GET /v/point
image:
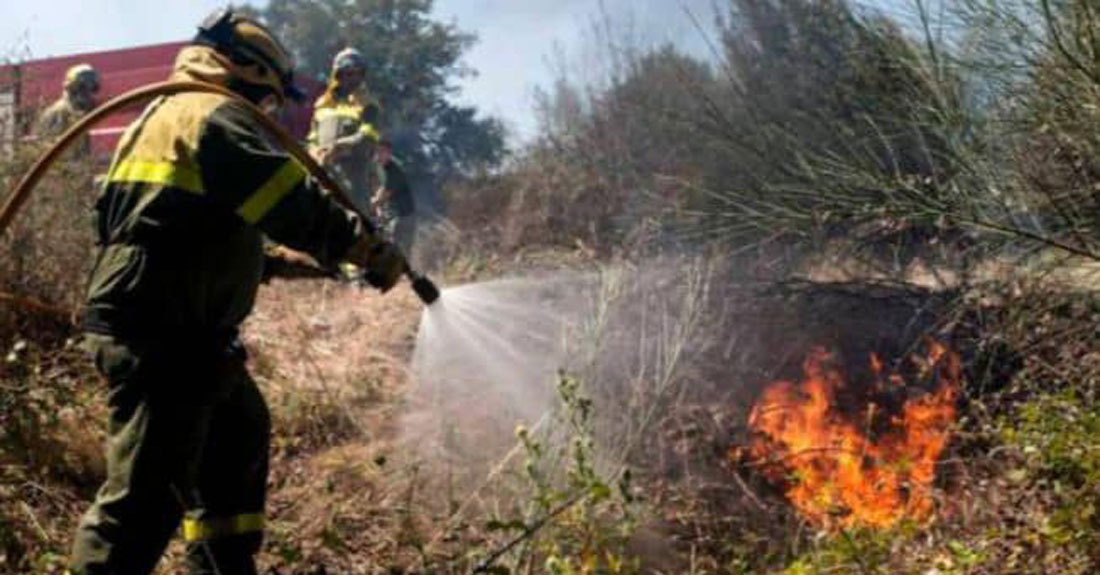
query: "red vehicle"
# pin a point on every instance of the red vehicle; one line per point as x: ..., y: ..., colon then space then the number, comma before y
x: 28, y: 87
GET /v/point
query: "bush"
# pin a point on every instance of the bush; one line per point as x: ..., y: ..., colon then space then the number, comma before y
x: 46, y: 254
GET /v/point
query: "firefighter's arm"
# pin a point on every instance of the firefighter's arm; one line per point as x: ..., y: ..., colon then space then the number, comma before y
x: 366, y: 135
x: 384, y: 192
x: 266, y: 188
x: 379, y: 199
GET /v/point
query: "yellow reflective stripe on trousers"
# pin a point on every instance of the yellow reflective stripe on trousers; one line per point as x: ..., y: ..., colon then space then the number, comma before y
x: 218, y: 527
x: 282, y: 183
x: 168, y: 174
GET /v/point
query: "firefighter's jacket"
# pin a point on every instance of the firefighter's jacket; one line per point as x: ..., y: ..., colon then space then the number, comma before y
x: 57, y: 118
x: 342, y: 122
x: 193, y: 188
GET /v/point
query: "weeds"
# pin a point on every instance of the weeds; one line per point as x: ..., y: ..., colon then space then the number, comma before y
x: 47, y: 253
x: 578, y: 524
x: 1061, y: 455
x: 49, y: 460
x: 819, y: 139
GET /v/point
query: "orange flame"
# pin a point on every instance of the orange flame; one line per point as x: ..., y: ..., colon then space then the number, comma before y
x: 842, y: 473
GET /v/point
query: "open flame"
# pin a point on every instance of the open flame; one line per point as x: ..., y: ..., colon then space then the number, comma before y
x: 868, y: 467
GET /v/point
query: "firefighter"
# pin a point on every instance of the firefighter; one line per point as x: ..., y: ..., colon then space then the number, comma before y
x: 193, y: 188
x: 78, y: 97
x: 394, y: 201
x: 343, y: 134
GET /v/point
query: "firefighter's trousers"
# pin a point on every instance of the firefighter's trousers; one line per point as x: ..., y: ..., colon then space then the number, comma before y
x: 187, y: 446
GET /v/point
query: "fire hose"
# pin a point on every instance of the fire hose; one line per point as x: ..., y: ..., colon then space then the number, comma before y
x: 425, y: 289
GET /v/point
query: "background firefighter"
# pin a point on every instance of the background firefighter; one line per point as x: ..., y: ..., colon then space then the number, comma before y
x: 79, y: 90
x: 193, y: 188
x: 342, y: 134
x: 394, y: 202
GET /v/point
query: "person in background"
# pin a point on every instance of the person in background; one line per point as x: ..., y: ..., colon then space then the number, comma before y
x: 342, y: 134
x: 394, y: 202
x: 78, y: 97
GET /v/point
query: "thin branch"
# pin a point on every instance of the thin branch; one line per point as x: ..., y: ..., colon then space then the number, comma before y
x: 528, y: 532
x: 1059, y: 43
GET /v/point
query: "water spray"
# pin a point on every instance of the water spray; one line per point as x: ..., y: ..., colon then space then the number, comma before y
x: 425, y: 289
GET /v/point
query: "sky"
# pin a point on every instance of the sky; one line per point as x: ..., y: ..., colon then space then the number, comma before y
x: 520, y: 42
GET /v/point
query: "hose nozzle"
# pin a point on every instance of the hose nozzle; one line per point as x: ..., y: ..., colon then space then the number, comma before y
x: 425, y: 288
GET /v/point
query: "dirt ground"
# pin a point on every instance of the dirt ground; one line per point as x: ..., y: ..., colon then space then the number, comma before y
x: 333, y: 361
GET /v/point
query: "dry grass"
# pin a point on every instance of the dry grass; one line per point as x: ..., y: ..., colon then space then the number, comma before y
x: 50, y: 463
x: 46, y: 254
x: 775, y: 163
x: 49, y: 398
x: 333, y: 362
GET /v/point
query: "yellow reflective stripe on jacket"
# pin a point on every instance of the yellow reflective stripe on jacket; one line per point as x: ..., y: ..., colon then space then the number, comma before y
x: 282, y: 183
x: 217, y: 527
x: 171, y: 174
x: 342, y: 111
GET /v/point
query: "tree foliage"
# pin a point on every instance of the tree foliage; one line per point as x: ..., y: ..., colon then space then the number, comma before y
x: 412, y: 63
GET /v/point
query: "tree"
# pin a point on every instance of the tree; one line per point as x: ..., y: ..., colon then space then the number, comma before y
x: 412, y: 61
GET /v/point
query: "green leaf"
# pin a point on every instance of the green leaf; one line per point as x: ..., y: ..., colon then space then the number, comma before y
x: 599, y: 491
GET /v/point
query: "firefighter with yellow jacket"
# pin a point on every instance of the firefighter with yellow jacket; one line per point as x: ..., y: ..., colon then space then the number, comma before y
x: 343, y: 134
x: 192, y: 190
x: 79, y: 90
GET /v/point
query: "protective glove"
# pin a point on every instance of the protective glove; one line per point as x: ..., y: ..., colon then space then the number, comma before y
x: 382, y: 262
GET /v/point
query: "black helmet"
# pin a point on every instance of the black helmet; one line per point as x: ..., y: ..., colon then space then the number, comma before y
x: 243, y: 38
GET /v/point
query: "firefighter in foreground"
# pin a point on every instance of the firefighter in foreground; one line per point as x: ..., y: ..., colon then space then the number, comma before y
x: 193, y: 188
x: 343, y: 135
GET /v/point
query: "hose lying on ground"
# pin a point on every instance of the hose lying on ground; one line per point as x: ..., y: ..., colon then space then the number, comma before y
x: 424, y: 288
